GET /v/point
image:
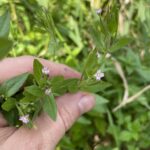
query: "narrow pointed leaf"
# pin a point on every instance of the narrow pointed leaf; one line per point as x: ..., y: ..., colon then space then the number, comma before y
x: 37, y: 70
x: 5, y: 24
x: 9, y: 104
x: 50, y: 106
x: 10, y: 87
x: 120, y: 44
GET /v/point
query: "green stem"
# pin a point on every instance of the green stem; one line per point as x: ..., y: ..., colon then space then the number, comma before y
x: 14, y: 15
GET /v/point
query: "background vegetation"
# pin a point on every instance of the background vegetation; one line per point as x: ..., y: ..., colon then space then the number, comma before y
x: 127, y: 75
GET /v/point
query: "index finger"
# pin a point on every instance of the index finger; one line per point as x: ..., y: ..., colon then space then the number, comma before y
x: 11, y: 67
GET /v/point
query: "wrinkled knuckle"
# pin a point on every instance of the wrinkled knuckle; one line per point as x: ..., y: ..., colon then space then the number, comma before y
x: 67, y: 116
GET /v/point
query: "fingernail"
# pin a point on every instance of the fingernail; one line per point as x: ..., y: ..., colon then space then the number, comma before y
x: 86, y: 103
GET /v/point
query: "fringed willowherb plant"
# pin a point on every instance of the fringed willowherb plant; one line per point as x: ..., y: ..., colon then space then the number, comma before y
x: 22, y: 98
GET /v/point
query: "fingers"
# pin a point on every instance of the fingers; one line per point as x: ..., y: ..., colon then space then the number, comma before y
x: 70, y: 108
x: 5, y: 133
x: 11, y: 67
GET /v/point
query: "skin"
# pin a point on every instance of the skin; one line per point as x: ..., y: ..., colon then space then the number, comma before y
x: 48, y: 133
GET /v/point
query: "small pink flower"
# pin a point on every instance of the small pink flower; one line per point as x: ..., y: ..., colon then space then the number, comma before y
x: 98, y: 55
x: 99, y: 11
x: 24, y: 119
x: 108, y: 55
x: 98, y: 75
x: 45, y: 71
x: 48, y: 91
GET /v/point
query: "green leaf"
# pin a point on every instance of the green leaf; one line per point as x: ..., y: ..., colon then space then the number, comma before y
x: 9, y: 104
x: 53, y: 46
x: 57, y: 80
x: 91, y: 63
x: 34, y: 90
x: 100, y: 106
x: 11, y: 117
x: 5, y: 24
x: 73, y: 85
x: 58, y: 85
x: 45, y: 21
x: 50, y: 106
x: 28, y: 98
x: 38, y: 107
x: 12, y: 86
x: 101, y: 125
x: 113, y: 129
x: 84, y: 121
x: 61, y: 85
x: 126, y: 135
x: 37, y: 70
x: 120, y: 44
x: 100, y: 100
x: 98, y: 38
x: 43, y: 3
x: 112, y: 20
x: 96, y: 87
x: 144, y: 72
x: 5, y: 46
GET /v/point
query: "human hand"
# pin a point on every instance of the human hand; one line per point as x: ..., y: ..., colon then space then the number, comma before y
x: 48, y: 132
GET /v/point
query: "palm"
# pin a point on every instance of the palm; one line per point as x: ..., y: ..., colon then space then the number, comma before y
x: 41, y: 138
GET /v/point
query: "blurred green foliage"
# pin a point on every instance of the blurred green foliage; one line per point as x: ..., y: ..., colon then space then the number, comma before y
x: 76, y: 32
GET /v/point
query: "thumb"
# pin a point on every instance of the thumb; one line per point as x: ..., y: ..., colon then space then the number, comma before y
x: 70, y: 108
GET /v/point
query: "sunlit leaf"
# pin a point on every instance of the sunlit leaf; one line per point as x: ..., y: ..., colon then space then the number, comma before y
x: 11, y: 86
x: 4, y: 24
x: 50, y: 106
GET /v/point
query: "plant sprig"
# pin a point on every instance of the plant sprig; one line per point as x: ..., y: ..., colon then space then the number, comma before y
x: 27, y: 95
x: 24, y: 97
